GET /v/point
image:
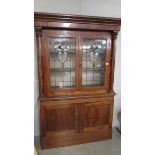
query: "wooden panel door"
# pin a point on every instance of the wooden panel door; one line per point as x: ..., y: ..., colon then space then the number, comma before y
x: 58, y: 118
x: 95, y: 116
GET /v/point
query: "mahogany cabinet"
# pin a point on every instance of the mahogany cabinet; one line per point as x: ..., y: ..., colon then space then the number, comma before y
x: 76, y: 58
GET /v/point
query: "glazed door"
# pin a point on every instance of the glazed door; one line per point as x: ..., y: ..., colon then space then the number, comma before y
x: 76, y: 62
x: 95, y: 52
x: 61, y: 54
x: 59, y: 118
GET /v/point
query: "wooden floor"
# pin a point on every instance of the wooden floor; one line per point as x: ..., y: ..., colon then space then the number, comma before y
x: 107, y: 147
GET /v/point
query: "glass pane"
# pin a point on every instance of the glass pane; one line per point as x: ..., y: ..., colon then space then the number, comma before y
x: 62, y: 62
x: 93, y: 61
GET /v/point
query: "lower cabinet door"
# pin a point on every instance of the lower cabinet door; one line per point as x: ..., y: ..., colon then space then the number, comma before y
x: 58, y: 119
x: 95, y: 116
x: 69, y: 122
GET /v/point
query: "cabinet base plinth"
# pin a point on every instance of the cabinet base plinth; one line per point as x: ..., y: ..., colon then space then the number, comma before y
x: 79, y: 138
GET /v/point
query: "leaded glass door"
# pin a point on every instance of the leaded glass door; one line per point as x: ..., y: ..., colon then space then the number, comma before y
x: 76, y: 62
x: 95, y: 59
x: 61, y: 49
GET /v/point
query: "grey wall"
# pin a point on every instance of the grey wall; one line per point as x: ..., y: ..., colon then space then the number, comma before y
x: 83, y: 7
x: 110, y: 8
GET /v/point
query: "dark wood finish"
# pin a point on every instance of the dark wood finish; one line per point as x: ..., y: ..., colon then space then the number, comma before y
x: 95, y: 116
x: 57, y: 141
x: 77, y: 22
x: 75, y: 115
x: 60, y: 117
x: 40, y: 59
x: 114, y: 37
x: 70, y: 121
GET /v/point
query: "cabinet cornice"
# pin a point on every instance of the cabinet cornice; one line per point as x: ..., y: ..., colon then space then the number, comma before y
x: 48, y: 20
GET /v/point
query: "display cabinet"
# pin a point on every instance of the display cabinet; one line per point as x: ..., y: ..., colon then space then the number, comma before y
x: 76, y: 58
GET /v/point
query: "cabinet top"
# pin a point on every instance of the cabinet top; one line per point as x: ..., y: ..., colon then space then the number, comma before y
x: 42, y: 19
